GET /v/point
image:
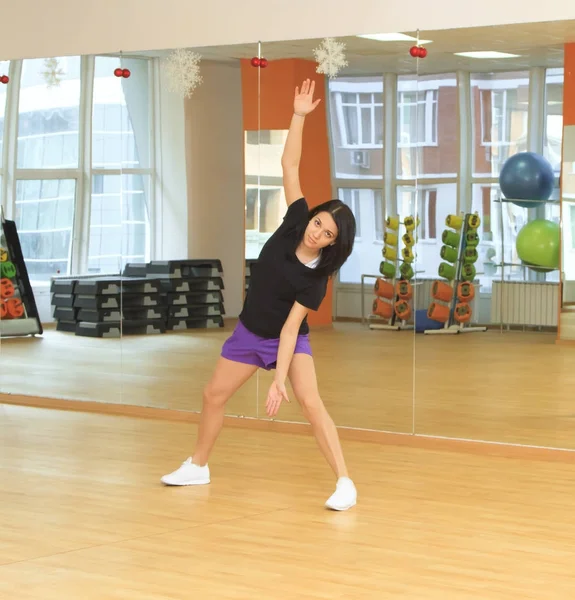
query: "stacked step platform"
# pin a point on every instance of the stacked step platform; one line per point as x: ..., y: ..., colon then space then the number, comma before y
x: 148, y: 298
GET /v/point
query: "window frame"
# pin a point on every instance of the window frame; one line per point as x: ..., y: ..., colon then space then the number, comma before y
x: 84, y: 172
x: 464, y: 178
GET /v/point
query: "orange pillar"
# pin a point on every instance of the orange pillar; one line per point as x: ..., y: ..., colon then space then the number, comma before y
x: 569, y: 85
x: 276, y: 86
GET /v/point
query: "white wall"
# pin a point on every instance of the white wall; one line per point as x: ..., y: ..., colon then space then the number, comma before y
x: 70, y: 27
x: 215, y: 169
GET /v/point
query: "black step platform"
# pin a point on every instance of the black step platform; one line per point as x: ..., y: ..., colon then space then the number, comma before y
x: 146, y: 298
x: 143, y: 327
x: 193, y: 323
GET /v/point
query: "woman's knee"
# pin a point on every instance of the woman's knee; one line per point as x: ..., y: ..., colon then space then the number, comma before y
x: 312, y: 406
x: 214, y: 395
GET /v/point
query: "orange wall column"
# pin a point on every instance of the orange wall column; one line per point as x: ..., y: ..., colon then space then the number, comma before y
x: 276, y: 86
x: 569, y: 85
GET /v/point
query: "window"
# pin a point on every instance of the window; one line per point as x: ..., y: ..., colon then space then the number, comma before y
x: 553, y: 117
x: 121, y: 158
x: 500, y: 105
x: 49, y: 115
x: 357, y: 129
x: 366, y: 205
x: 57, y: 190
x: 265, y: 197
x: 44, y: 218
x: 417, y: 124
x: 418, y: 115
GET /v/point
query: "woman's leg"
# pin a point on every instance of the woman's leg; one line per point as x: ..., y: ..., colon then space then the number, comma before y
x: 303, y: 379
x: 304, y: 383
x: 227, y: 379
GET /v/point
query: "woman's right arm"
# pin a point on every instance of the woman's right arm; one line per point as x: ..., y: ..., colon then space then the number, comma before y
x: 303, y: 105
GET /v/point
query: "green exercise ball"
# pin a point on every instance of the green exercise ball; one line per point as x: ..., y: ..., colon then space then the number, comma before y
x: 538, y: 245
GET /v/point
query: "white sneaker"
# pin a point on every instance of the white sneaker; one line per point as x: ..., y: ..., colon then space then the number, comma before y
x: 188, y: 474
x: 345, y: 495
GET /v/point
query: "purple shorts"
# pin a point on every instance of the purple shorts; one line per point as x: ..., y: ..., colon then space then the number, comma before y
x: 246, y: 347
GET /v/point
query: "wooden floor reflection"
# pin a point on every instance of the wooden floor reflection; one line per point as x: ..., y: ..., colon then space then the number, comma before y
x: 513, y: 387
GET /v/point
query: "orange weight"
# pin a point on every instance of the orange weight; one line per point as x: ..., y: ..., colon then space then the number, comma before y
x: 465, y: 291
x: 15, y: 308
x: 402, y: 310
x: 441, y: 291
x: 404, y: 289
x: 462, y: 312
x: 383, y: 289
x: 382, y: 309
x: 6, y: 288
x: 438, y: 312
x: 3, y: 309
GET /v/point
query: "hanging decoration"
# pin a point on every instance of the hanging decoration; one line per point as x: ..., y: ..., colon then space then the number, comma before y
x: 119, y: 72
x: 260, y: 62
x: 4, y: 79
x: 330, y: 57
x: 418, y: 51
x: 52, y: 72
x: 183, y: 69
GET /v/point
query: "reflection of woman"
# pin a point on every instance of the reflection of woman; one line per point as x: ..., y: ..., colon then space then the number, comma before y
x: 289, y: 279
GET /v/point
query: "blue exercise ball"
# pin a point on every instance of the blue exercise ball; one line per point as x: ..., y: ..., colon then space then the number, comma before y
x: 527, y: 176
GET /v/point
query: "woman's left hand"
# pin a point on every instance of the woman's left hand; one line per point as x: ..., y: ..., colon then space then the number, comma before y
x: 276, y: 394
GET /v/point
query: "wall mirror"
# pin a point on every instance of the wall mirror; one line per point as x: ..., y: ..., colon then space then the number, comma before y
x: 488, y: 368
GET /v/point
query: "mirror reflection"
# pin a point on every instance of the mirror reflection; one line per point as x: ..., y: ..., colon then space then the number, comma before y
x: 55, y: 148
x: 496, y: 106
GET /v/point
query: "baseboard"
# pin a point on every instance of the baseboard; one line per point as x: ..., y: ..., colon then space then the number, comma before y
x: 416, y: 441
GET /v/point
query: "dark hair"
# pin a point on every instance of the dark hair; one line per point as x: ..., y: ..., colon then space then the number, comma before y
x: 333, y: 257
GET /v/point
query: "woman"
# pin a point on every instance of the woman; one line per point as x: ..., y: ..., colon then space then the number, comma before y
x: 289, y: 279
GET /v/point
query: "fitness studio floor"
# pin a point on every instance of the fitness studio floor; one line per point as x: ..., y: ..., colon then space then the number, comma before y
x: 513, y: 387
x: 83, y: 515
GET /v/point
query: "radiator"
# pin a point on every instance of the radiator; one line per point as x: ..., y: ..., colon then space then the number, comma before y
x: 525, y: 303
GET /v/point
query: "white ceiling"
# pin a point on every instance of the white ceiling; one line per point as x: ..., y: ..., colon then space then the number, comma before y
x: 539, y: 44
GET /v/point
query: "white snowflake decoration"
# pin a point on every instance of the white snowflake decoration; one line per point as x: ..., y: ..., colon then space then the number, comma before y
x: 52, y: 73
x: 330, y: 57
x: 183, y: 67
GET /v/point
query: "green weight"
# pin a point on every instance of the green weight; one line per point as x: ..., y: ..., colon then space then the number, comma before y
x: 408, y: 240
x: 406, y: 271
x: 451, y: 238
x: 448, y: 253
x: 470, y: 255
x: 472, y: 238
x: 8, y: 269
x: 447, y: 271
x: 387, y: 269
x: 468, y: 273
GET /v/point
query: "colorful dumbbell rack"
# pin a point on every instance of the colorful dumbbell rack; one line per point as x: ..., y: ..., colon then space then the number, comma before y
x: 453, y: 294
x: 18, y: 311
x: 393, y: 303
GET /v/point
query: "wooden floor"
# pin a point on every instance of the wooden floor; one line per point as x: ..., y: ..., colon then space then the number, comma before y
x: 513, y: 387
x: 84, y: 516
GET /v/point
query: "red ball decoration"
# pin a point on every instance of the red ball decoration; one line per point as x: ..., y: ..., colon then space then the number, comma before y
x: 118, y: 72
x: 255, y: 61
x: 263, y: 63
x: 126, y: 73
x: 422, y: 52
x: 4, y: 79
x: 414, y: 51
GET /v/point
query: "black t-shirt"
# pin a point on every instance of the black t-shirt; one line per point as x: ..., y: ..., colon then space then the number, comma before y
x: 278, y: 279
